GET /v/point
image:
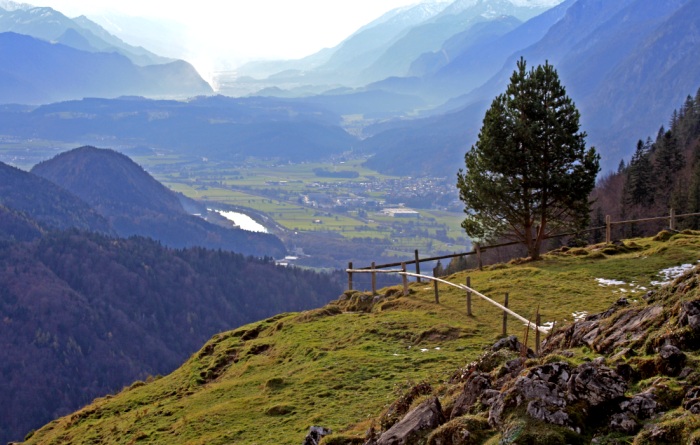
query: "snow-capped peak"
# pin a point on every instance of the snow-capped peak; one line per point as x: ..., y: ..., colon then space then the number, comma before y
x: 9, y: 5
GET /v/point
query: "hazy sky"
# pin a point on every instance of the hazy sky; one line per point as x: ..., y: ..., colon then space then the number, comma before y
x: 213, y: 33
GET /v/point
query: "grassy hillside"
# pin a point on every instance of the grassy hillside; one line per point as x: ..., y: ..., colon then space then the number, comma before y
x: 339, y: 366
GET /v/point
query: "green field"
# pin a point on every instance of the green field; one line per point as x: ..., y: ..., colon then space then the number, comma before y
x: 277, y: 190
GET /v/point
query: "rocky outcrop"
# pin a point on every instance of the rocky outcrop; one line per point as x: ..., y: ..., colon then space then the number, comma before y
x: 316, y: 433
x: 564, y: 397
x: 552, y: 392
x: 417, y: 424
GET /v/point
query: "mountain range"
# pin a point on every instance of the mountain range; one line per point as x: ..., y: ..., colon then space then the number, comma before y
x: 49, y: 57
x: 625, y: 64
x: 418, y: 80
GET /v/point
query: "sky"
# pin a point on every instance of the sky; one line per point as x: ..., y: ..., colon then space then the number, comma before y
x: 221, y: 34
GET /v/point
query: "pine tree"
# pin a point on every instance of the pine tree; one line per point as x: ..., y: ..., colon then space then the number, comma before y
x: 529, y: 174
x: 668, y: 162
x: 639, y: 189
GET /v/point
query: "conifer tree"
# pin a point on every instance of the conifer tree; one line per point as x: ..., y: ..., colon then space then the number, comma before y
x: 639, y: 188
x: 529, y: 174
x: 668, y: 162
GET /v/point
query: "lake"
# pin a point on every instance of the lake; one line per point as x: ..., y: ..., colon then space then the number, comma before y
x: 243, y: 221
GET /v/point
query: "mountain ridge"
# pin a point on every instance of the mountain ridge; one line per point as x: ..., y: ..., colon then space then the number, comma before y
x: 136, y: 204
x: 54, y: 72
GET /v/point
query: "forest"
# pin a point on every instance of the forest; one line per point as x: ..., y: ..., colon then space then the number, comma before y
x: 663, y: 173
x: 85, y: 314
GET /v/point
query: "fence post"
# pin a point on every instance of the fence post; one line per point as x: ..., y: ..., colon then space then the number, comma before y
x: 417, y: 265
x: 505, y: 317
x: 672, y: 220
x: 404, y: 278
x: 469, y: 297
x: 608, y: 231
x: 435, y: 284
x: 374, y: 280
x: 350, y: 276
x: 538, y: 322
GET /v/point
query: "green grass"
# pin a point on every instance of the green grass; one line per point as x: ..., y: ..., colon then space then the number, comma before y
x: 268, y: 382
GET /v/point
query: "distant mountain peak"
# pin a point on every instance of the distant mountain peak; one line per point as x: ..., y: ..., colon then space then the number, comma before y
x: 8, y: 5
x: 459, y: 6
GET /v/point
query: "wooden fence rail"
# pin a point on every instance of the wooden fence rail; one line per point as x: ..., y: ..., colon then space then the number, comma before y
x: 536, y: 326
x: 480, y: 249
x: 382, y: 268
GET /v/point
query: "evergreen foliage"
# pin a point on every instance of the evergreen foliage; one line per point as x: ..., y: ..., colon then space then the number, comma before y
x: 661, y: 175
x: 85, y: 314
x: 529, y: 174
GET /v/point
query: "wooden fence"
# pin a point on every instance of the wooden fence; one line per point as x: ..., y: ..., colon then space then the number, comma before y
x: 374, y: 269
x: 478, y: 250
x: 536, y: 325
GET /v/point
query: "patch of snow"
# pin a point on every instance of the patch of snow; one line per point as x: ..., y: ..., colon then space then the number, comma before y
x: 423, y: 350
x: 605, y: 282
x: 547, y: 325
x: 671, y: 273
x: 579, y: 315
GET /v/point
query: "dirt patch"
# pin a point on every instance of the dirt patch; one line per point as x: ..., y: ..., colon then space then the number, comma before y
x: 438, y: 334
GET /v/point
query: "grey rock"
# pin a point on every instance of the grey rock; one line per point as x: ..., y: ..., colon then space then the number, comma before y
x: 691, y: 401
x: 316, y: 433
x: 690, y: 315
x: 671, y: 360
x: 511, y: 343
x: 424, y: 418
x: 545, y: 384
x: 596, y: 384
x: 539, y: 409
x: 642, y: 405
x: 623, y: 423
x: 476, y: 384
x: 489, y: 396
x: 548, y: 390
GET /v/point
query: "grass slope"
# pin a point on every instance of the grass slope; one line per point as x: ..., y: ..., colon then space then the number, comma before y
x: 340, y: 365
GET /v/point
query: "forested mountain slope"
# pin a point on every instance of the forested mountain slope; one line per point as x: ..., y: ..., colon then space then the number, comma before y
x: 84, y: 314
x: 49, y: 205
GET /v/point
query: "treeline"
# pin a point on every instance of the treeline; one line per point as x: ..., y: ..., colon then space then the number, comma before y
x: 85, y: 314
x: 325, y: 173
x: 663, y: 173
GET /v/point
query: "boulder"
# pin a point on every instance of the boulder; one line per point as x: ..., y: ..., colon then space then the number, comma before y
x: 690, y: 315
x: 316, y: 433
x: 543, y: 388
x: 671, y: 360
x: 691, y: 401
x: 549, y: 391
x: 512, y: 344
x: 595, y: 384
x: 465, y: 430
x: 417, y: 424
x: 624, y: 423
x: 476, y: 384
